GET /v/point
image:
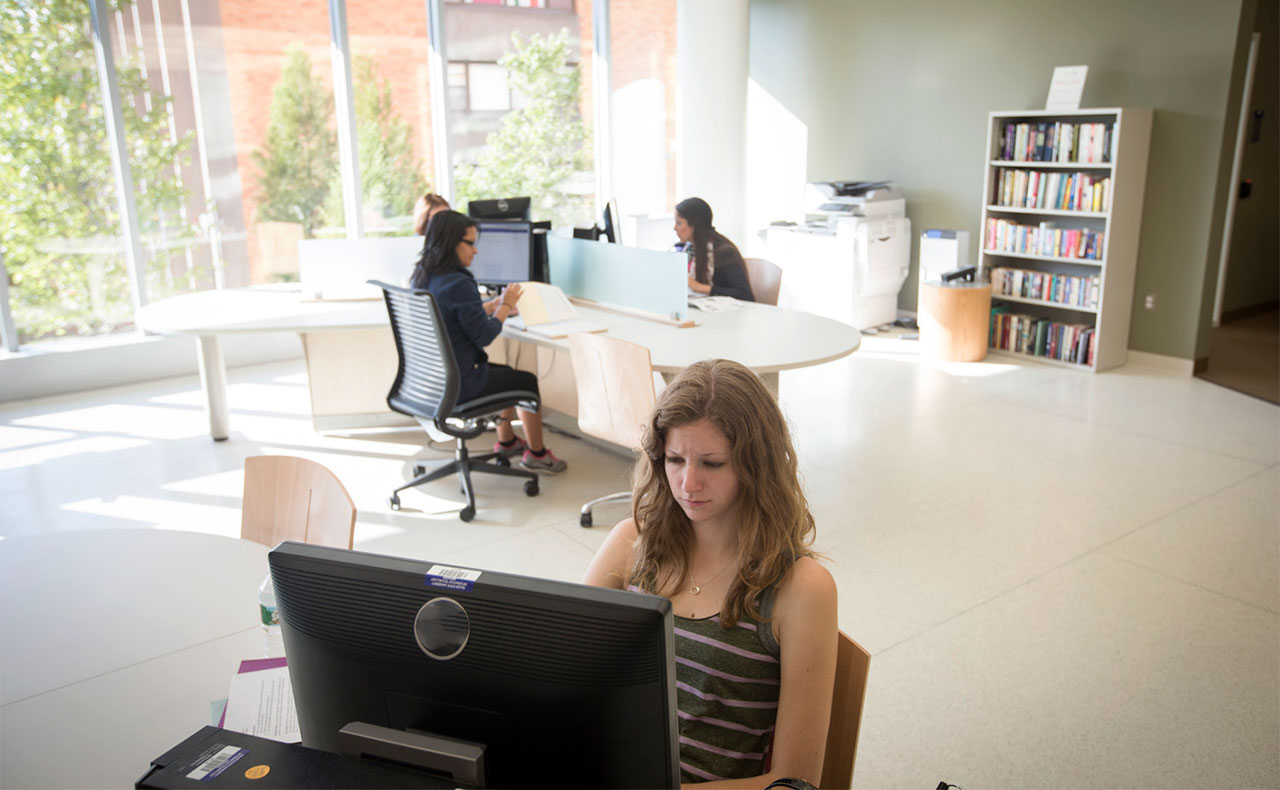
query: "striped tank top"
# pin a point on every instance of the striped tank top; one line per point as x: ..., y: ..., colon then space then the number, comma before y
x: 727, y: 684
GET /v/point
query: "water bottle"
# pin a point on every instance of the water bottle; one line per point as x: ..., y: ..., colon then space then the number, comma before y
x: 272, y: 641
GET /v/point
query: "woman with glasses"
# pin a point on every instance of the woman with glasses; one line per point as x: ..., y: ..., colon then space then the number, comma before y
x: 443, y: 269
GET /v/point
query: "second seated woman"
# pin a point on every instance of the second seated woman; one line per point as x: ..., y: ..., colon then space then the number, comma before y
x: 716, y: 266
x: 720, y: 526
x: 447, y: 252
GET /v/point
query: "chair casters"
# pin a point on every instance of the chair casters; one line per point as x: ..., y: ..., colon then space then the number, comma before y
x: 394, y: 501
x: 585, y: 518
x: 531, y: 488
x: 467, y: 513
x: 418, y: 469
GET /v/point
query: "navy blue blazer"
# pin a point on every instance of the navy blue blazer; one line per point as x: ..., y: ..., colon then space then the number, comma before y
x: 470, y: 328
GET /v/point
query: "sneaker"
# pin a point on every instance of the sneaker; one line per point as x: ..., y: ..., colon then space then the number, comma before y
x: 516, y: 447
x: 548, y: 463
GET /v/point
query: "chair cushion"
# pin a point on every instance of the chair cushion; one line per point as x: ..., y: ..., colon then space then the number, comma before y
x: 494, y: 403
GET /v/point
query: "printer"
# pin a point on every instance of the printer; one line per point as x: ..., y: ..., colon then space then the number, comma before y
x: 828, y: 201
x: 850, y: 257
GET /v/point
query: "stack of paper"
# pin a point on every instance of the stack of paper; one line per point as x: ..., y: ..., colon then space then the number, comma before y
x: 261, y: 702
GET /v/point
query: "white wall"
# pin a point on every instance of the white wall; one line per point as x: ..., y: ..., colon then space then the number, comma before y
x: 109, y: 362
x: 711, y: 78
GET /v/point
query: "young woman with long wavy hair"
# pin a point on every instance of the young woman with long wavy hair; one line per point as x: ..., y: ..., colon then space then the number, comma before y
x: 721, y: 527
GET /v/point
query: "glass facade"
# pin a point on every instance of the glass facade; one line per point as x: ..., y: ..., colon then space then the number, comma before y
x: 230, y: 133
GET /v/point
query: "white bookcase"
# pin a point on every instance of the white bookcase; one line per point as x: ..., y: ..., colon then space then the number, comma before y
x: 1114, y: 259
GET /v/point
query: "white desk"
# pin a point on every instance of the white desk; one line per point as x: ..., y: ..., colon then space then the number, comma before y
x: 112, y: 645
x: 764, y: 338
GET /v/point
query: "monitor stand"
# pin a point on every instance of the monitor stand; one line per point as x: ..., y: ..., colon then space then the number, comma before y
x: 462, y: 761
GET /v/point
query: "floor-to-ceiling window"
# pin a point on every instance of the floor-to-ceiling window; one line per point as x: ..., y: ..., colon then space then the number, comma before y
x: 230, y: 135
x: 520, y: 104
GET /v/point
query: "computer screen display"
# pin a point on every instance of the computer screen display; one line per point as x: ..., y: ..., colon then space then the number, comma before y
x: 563, y: 685
x: 503, y: 253
x: 499, y: 208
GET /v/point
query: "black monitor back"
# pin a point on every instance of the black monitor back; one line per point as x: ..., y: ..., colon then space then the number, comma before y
x: 566, y: 685
x: 499, y: 208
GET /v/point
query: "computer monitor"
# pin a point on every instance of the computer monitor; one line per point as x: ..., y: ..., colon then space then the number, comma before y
x: 563, y: 685
x: 500, y: 208
x: 612, y: 223
x: 504, y: 253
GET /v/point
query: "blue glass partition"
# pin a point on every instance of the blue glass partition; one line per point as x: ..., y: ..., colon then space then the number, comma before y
x: 657, y: 282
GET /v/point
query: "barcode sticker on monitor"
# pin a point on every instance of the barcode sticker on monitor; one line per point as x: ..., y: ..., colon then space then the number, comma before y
x: 448, y: 578
x: 212, y: 765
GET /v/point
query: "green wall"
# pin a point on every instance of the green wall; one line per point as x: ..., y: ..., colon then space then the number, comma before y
x: 902, y: 89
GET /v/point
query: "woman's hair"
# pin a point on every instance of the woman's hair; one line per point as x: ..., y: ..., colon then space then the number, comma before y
x: 440, y: 247
x: 697, y: 213
x: 774, y: 523
x: 422, y: 211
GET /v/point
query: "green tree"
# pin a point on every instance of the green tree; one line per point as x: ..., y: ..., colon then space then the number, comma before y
x: 539, y: 147
x: 391, y: 176
x: 59, y: 215
x: 299, y: 157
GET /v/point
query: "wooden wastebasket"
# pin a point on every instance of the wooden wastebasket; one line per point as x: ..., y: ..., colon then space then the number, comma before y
x: 954, y: 321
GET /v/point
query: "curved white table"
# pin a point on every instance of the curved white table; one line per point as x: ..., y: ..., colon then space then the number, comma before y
x: 112, y: 645
x: 766, y: 339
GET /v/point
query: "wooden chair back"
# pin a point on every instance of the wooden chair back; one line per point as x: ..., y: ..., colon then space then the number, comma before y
x: 288, y: 498
x: 766, y: 280
x: 615, y: 387
x: 852, y: 664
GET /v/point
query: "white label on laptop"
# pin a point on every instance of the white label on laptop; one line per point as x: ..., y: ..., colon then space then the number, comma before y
x: 448, y: 578
x: 212, y: 765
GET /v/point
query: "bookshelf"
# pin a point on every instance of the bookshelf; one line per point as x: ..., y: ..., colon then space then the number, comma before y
x: 1062, y: 210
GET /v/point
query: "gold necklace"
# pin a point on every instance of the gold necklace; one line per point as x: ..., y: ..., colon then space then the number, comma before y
x: 697, y: 588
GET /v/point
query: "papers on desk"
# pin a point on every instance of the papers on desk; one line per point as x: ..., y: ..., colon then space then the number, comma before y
x: 545, y: 310
x: 261, y: 702
x: 716, y: 304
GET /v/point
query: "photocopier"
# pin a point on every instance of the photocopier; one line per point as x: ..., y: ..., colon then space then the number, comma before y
x: 851, y: 255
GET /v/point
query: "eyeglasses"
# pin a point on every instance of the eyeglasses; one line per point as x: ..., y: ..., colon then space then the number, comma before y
x: 468, y: 241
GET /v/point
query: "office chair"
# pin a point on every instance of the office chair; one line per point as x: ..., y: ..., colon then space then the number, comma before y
x: 288, y: 498
x: 765, y: 278
x: 426, y: 388
x: 615, y: 396
x: 852, y: 664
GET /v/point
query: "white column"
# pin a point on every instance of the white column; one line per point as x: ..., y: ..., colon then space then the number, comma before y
x: 345, y: 115
x: 438, y: 62
x: 711, y: 87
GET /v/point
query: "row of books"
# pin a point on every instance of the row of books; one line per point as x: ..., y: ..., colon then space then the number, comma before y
x: 1041, y: 337
x: 1057, y: 141
x: 1052, y: 190
x: 1064, y: 289
x: 1043, y: 239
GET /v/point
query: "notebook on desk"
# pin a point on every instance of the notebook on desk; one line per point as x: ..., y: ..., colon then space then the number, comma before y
x: 545, y: 310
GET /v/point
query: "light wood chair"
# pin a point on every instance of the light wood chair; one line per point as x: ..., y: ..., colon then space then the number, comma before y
x: 615, y: 396
x: 852, y: 664
x: 765, y: 278
x: 287, y: 498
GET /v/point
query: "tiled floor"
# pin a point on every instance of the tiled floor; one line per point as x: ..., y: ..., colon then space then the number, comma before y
x: 1065, y: 580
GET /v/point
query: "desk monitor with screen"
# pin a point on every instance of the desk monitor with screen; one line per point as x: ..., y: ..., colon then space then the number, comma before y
x: 544, y: 683
x: 501, y: 208
x: 504, y: 253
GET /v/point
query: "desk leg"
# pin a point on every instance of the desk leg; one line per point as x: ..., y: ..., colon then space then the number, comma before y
x: 213, y: 376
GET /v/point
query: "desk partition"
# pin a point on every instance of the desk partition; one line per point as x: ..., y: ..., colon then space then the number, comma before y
x: 656, y: 282
x: 337, y: 269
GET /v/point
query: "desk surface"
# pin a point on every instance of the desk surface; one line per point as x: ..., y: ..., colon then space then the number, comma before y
x: 766, y: 339
x: 112, y: 645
